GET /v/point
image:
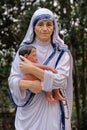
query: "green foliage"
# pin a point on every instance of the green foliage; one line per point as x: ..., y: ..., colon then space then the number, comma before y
x: 83, y: 120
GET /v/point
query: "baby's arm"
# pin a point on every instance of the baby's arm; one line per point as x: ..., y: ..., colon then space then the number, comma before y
x: 45, y: 67
x: 32, y: 77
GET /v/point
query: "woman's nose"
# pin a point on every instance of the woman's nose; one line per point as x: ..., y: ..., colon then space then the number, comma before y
x: 44, y: 27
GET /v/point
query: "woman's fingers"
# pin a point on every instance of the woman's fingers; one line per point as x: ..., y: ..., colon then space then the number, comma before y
x: 23, y: 58
x: 25, y: 65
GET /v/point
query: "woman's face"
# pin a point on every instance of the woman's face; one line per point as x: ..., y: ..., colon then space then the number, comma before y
x: 43, y: 30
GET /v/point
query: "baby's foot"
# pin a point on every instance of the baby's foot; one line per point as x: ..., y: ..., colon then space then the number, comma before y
x: 57, y: 95
x: 49, y: 97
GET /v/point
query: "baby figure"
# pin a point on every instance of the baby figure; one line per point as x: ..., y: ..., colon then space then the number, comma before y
x: 29, y: 52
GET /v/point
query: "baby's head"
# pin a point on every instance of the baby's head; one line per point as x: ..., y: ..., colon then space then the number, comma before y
x: 28, y: 52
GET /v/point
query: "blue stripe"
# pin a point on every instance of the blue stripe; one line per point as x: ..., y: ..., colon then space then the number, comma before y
x: 42, y: 17
x: 51, y: 56
x: 62, y: 115
x: 26, y: 103
x: 61, y: 53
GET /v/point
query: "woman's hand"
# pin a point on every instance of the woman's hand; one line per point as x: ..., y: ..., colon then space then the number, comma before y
x: 34, y: 86
x: 25, y: 65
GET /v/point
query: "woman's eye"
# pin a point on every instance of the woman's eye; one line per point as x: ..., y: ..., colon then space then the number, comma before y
x: 40, y: 24
x: 49, y: 24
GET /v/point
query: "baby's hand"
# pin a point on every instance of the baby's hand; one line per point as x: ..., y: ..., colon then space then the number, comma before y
x: 54, y: 70
x: 51, y: 69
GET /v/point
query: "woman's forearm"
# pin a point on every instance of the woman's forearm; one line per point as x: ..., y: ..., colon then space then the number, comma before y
x: 37, y: 72
x: 34, y: 86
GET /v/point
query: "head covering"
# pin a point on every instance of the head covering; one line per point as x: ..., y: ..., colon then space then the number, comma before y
x: 42, y: 14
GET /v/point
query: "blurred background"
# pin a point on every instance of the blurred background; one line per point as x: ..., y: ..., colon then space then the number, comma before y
x: 72, y: 21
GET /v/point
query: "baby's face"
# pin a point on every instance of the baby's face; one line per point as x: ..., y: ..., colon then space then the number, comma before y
x: 32, y: 56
